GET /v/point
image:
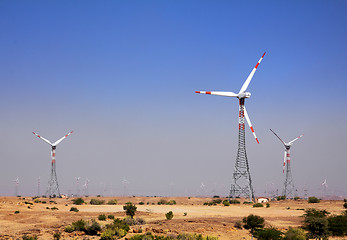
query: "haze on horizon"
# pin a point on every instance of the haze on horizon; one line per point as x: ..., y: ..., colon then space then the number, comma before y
x: 122, y: 75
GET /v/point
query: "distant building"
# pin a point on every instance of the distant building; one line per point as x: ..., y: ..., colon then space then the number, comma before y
x: 262, y: 200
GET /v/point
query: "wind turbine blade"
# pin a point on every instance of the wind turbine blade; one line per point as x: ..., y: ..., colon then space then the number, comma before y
x: 291, y: 142
x: 57, y: 142
x: 278, y: 137
x: 250, y: 124
x: 225, y: 94
x: 44, y: 139
x: 248, y: 80
x: 284, y: 160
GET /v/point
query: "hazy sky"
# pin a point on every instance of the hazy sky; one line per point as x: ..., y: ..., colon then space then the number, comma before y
x: 122, y: 75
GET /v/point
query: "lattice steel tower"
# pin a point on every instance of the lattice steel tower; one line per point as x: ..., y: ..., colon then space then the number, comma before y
x: 288, y: 189
x: 53, y: 186
x: 241, y: 183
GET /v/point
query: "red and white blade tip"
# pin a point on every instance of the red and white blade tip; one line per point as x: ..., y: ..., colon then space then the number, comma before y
x: 203, y: 92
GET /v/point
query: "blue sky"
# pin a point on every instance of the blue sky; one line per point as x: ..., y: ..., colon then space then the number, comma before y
x: 122, y: 75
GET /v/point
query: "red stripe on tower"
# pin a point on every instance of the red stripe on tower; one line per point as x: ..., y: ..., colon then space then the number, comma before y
x: 252, y: 130
x: 208, y: 92
x: 256, y: 65
x: 197, y: 91
x: 263, y: 55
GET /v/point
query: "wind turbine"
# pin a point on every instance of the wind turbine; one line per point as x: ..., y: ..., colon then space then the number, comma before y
x: 125, y: 186
x: 53, y: 187
x: 16, y: 181
x: 242, y: 183
x: 288, y: 184
x: 325, y: 187
x: 85, y: 187
x: 77, y: 186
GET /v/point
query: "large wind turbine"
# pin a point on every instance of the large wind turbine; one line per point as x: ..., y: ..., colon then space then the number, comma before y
x: 53, y: 187
x: 288, y: 190
x: 242, y: 183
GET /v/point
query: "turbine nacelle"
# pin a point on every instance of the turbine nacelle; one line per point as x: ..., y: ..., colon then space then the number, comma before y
x: 244, y: 95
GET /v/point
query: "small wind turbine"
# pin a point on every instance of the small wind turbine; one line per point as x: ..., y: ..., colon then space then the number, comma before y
x: 77, y: 186
x: 85, y: 187
x: 125, y: 184
x: 325, y: 187
x: 38, y: 186
x: 16, y: 181
x: 288, y: 184
x: 53, y: 187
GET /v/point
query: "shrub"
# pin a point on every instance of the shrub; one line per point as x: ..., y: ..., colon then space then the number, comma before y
x: 313, y: 200
x: 218, y: 200
x: 131, y: 221
x: 37, y: 201
x: 79, y: 225
x: 78, y: 201
x: 295, y: 234
x: 162, y: 202
x: 110, y: 216
x: 338, y: 225
x: 267, y: 205
x: 345, y: 200
x: 246, y: 202
x: 93, y: 228
x: 26, y: 237
x: 234, y: 201
x: 141, y: 203
x: 215, y: 196
x: 171, y: 202
x: 74, y: 209
x: 56, y: 236
x: 108, y: 234
x: 184, y: 214
x: 258, y: 205
x: 238, y: 224
x: 112, y: 202
x: 102, y: 217
x: 226, y: 203
x: 268, y: 234
x: 279, y: 198
x: 16, y: 212
x: 69, y: 229
x: 169, y: 215
x: 94, y: 201
x: 316, y: 223
x: 130, y: 209
x: 253, y: 222
x: 345, y: 205
x: 54, y: 208
x: 296, y: 198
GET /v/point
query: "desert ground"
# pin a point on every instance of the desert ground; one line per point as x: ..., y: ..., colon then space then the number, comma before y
x: 190, y: 216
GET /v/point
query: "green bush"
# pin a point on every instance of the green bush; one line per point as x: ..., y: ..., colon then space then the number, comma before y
x: 94, y: 201
x: 253, y: 222
x: 238, y: 224
x: 171, y: 202
x: 131, y: 221
x: 37, y: 201
x: 226, y: 203
x: 295, y: 234
x: 54, y: 208
x: 162, y: 202
x: 69, y: 229
x: 141, y: 203
x: 234, y: 201
x: 78, y: 201
x: 246, y: 202
x: 74, y: 209
x: 79, y: 225
x: 338, y: 225
x: 16, y: 212
x: 316, y: 223
x: 110, y: 216
x: 57, y: 236
x: 268, y: 234
x: 279, y: 198
x: 169, y: 215
x: 218, y: 200
x: 108, y: 234
x: 313, y: 200
x: 345, y: 205
x: 112, y: 202
x: 93, y: 228
x: 267, y: 205
x: 130, y: 209
x: 184, y: 214
x: 26, y: 237
x: 296, y: 198
x: 258, y: 205
x: 345, y: 200
x: 102, y: 217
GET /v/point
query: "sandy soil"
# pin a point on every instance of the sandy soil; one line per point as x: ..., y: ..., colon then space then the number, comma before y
x: 42, y: 221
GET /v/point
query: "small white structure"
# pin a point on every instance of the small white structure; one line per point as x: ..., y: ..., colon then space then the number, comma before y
x: 263, y: 200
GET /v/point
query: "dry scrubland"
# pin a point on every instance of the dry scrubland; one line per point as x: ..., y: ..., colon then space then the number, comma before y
x: 207, y: 220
